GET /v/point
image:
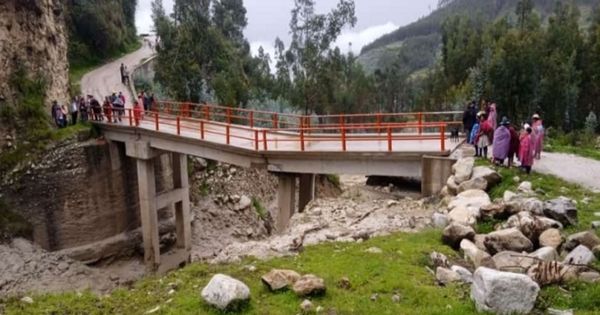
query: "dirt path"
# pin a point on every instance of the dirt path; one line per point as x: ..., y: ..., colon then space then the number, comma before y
x: 105, y: 80
x: 572, y: 168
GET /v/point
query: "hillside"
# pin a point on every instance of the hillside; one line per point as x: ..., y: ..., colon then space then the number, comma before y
x: 418, y: 42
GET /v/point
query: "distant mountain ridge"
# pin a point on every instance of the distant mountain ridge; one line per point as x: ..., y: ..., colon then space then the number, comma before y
x: 414, y: 39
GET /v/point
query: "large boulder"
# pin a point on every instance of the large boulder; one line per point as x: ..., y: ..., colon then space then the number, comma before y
x: 533, y: 205
x: 278, y: 279
x: 470, y: 198
x: 561, y: 209
x: 503, y: 292
x: 225, y: 292
x: 588, y: 239
x: 581, y: 255
x: 309, y: 285
x: 507, y: 240
x: 546, y: 254
x: 478, y: 183
x: 491, y: 177
x: 509, y: 196
x: 476, y: 256
x: 464, y: 215
x: 551, y: 238
x: 463, y: 169
x: 454, y: 233
x: 531, y: 226
x: 510, y: 261
x: 494, y: 211
x: 452, y: 185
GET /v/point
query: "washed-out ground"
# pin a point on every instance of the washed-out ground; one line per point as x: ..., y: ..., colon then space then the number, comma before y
x: 226, y: 230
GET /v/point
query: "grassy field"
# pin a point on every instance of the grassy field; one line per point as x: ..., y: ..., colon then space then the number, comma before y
x: 400, y: 269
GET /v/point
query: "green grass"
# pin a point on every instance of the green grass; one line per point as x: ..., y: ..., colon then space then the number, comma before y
x: 400, y: 269
x: 260, y: 209
x: 334, y: 179
x: 578, y: 143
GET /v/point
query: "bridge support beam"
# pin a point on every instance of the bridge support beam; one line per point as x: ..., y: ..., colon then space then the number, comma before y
x: 286, y: 199
x: 306, y: 190
x: 150, y: 202
x: 435, y: 171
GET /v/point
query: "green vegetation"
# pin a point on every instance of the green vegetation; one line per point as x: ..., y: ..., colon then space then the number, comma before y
x: 334, y: 179
x: 260, y: 209
x: 11, y: 224
x: 576, y: 142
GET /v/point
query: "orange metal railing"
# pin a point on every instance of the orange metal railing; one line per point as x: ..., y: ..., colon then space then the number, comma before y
x: 267, y: 131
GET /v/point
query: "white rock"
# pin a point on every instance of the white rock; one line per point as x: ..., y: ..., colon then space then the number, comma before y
x: 491, y: 177
x: 509, y: 195
x: 470, y: 198
x: 244, y: 203
x: 374, y: 250
x: 439, y: 220
x: 525, y: 187
x: 478, y: 183
x: 581, y: 255
x: 154, y: 310
x: 552, y: 311
x: 513, y: 262
x: 546, y: 254
x: 551, y: 238
x: 438, y: 259
x: 222, y: 291
x: 27, y: 299
x: 464, y: 215
x: 445, y: 275
x: 463, y: 272
x: 475, y: 255
x: 463, y: 169
x: 306, y: 306
x: 503, y: 292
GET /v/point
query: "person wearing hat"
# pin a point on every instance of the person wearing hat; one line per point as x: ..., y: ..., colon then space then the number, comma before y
x: 537, y: 135
x: 526, y: 152
x: 485, y: 136
x: 474, y: 132
x: 501, y: 142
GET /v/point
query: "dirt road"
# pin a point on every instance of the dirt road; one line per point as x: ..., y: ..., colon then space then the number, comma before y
x: 572, y: 168
x: 105, y: 80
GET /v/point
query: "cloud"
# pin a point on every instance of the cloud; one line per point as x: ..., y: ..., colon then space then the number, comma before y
x: 358, y: 39
x: 364, y: 37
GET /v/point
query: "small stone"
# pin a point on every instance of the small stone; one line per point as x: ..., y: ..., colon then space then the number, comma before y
x: 509, y: 196
x: 438, y: 260
x: 561, y: 209
x: 309, y: 285
x: 344, y: 283
x: 517, y: 179
x: 475, y: 255
x: 306, y: 306
x: 446, y: 276
x: 319, y: 309
x: 154, y: 310
x: 525, y: 187
x: 588, y: 238
x: 278, y: 279
x: 596, y: 225
x: 396, y: 298
x: 171, y: 292
x: 374, y: 297
x: 439, y: 220
x: 392, y: 203
x: 374, y: 250
x: 250, y: 268
x: 27, y: 300
x: 465, y: 275
x: 507, y: 240
x: 589, y: 277
x: 223, y: 291
x: 552, y: 311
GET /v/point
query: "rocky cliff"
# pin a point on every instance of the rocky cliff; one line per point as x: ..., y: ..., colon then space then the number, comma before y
x: 33, y: 35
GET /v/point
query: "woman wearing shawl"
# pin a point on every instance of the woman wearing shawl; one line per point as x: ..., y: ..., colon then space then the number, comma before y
x: 515, y: 143
x: 526, y: 150
x: 485, y: 135
x: 538, y: 136
x: 493, y: 116
x: 501, y: 142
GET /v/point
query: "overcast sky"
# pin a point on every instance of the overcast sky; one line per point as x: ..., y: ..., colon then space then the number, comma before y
x: 268, y: 19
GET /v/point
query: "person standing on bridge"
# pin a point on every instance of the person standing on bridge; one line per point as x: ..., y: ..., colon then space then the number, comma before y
x: 501, y: 142
x: 96, y: 108
x: 83, y: 109
x: 138, y: 112
x: 108, y: 110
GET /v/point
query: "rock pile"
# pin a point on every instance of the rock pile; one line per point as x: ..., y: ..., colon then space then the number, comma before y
x: 526, y: 251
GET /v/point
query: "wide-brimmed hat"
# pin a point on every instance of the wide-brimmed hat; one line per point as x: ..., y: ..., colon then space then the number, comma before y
x: 536, y: 116
x: 481, y: 113
x: 505, y: 121
x: 526, y: 126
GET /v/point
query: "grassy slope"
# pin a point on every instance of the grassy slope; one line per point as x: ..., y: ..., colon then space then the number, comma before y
x: 400, y: 269
x: 583, y: 150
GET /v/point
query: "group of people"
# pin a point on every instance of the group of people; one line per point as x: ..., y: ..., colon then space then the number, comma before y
x: 483, y: 131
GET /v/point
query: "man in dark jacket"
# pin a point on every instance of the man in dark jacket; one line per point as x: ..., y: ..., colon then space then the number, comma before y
x: 469, y: 118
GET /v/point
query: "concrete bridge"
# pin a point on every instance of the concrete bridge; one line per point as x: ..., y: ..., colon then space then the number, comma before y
x: 291, y: 146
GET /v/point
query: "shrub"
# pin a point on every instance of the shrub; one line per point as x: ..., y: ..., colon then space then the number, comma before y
x: 591, y: 123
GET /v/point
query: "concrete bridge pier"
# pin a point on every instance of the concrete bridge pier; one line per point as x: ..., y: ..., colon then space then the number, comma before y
x: 151, y: 202
x: 286, y: 196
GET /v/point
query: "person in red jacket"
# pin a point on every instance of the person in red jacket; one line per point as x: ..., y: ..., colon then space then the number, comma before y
x: 485, y: 135
x: 137, y: 112
x: 515, y: 143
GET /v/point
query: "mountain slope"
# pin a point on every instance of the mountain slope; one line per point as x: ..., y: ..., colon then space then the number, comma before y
x: 413, y: 40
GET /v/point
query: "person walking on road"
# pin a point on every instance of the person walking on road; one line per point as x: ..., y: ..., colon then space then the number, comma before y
x: 537, y: 135
x: 526, y: 152
x: 123, y: 69
x: 74, y: 110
